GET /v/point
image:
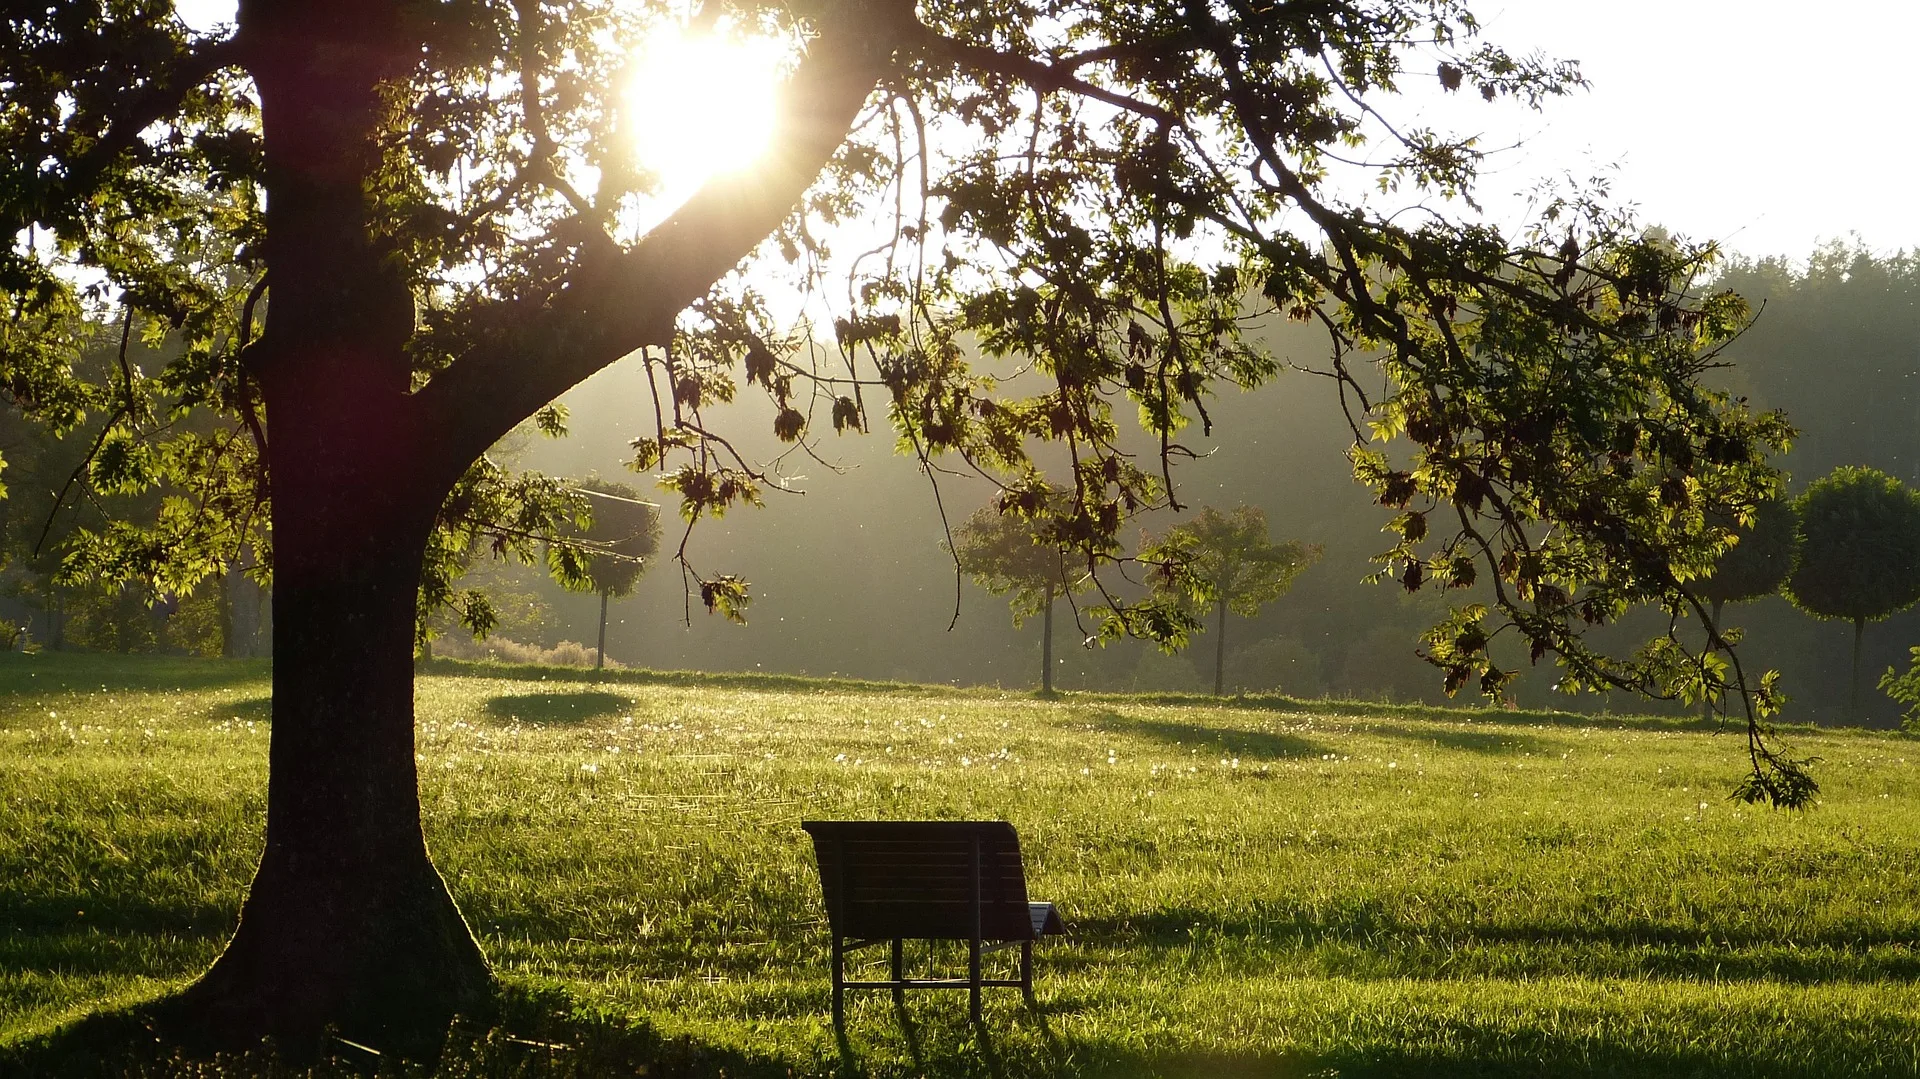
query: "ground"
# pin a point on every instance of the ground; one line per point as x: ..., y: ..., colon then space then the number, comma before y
x: 1260, y: 887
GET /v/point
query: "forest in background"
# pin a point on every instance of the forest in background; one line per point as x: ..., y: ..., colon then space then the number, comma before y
x: 852, y: 578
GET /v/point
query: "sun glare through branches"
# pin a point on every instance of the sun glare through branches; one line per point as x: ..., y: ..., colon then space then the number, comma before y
x: 701, y: 104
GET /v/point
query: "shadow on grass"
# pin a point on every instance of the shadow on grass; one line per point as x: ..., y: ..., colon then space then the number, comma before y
x: 252, y: 709
x: 1311, y: 706
x: 567, y: 707
x: 1501, y: 742
x: 1250, y: 745
x: 80, y: 672
x: 1366, y: 939
x: 533, y: 1033
x: 541, y: 1032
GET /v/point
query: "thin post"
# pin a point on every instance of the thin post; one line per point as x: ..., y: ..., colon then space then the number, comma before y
x: 973, y: 946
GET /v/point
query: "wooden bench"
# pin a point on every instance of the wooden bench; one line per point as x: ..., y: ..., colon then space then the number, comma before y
x: 895, y: 881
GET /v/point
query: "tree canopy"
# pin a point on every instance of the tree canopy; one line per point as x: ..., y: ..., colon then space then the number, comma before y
x: 623, y: 536
x: 1859, y: 546
x: 383, y: 233
x: 1859, y: 559
x: 1228, y: 561
x: 1760, y: 559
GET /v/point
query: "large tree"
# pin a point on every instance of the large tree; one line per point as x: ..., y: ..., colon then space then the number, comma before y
x: 384, y: 232
x: 1230, y: 563
x: 1859, y: 538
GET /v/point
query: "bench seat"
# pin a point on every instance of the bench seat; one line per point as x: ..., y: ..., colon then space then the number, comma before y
x: 887, y: 882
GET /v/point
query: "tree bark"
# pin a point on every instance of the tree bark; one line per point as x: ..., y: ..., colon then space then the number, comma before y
x: 1220, y: 652
x: 1853, y: 683
x: 1706, y: 703
x: 223, y: 601
x: 600, y: 652
x: 347, y: 924
x: 1046, y: 644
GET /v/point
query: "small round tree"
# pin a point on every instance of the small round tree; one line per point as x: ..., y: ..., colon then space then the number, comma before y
x: 1758, y: 562
x: 614, y: 548
x: 1231, y: 564
x: 1859, y: 553
x: 1003, y: 552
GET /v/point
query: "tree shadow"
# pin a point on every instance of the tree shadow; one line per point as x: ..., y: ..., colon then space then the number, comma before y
x: 1254, y: 745
x: 81, y: 672
x: 545, y: 1034
x: 1500, y: 742
x: 1373, y: 941
x: 251, y: 709
x: 571, y: 707
x: 534, y: 1033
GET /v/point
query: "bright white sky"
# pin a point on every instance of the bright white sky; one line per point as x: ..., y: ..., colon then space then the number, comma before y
x: 1769, y: 125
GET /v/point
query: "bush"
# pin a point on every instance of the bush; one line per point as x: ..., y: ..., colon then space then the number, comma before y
x: 504, y: 650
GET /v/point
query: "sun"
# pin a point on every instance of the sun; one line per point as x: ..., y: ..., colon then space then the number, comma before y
x: 702, y: 104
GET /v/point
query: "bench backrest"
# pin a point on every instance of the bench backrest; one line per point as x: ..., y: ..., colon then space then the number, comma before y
x: 922, y: 880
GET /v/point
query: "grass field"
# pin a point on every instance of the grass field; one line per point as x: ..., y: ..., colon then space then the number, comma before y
x: 1265, y: 887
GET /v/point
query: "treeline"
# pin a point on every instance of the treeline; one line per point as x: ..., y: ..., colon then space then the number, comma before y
x: 853, y: 576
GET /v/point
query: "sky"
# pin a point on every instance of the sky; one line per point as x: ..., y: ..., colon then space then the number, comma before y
x: 1770, y: 126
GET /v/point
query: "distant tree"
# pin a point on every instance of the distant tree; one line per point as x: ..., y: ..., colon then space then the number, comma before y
x: 1758, y: 564
x: 1859, y: 553
x: 1755, y: 566
x: 1231, y: 565
x: 1007, y: 553
x: 615, y: 551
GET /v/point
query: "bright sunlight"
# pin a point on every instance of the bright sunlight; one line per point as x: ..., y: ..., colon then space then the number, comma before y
x: 701, y: 104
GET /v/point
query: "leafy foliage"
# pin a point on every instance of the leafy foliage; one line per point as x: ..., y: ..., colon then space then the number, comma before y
x: 1760, y: 559
x: 1086, y: 205
x: 1228, y: 558
x: 1005, y: 550
x: 613, y: 551
x: 1859, y: 546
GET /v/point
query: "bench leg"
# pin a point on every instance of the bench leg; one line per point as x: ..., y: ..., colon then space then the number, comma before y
x: 839, y: 986
x: 1026, y: 971
x: 973, y: 978
x: 899, y: 970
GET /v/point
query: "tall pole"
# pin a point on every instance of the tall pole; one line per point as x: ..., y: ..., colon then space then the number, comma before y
x: 600, y: 653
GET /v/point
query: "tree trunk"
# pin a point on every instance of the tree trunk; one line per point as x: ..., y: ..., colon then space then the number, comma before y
x: 1853, y: 683
x: 1706, y: 702
x: 347, y: 924
x: 223, y: 602
x: 600, y: 652
x: 1220, y: 652
x: 1046, y: 644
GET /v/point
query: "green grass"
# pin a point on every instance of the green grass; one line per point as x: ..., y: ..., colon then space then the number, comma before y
x: 1261, y: 887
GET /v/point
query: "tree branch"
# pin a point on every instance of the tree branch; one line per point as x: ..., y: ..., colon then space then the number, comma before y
x: 621, y: 301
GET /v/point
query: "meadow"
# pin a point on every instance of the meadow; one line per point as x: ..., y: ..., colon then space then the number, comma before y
x: 1261, y: 886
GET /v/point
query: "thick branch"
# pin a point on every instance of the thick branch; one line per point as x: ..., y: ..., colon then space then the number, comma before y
x: 160, y: 99
x: 622, y: 301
